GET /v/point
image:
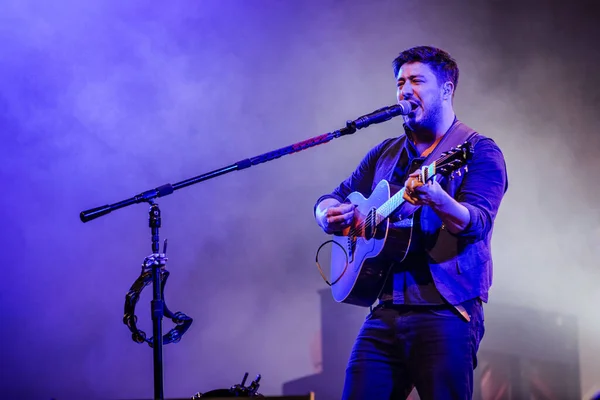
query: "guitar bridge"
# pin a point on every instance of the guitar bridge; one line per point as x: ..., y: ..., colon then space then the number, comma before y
x: 350, y: 247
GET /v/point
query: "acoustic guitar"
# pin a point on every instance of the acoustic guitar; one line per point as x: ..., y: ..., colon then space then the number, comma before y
x: 360, y: 256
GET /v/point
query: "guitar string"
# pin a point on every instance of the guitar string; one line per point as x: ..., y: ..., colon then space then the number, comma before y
x: 361, y: 226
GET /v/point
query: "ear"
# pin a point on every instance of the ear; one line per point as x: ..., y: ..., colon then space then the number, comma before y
x: 447, y: 90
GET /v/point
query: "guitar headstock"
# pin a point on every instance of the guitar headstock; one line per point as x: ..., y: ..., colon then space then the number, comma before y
x: 452, y: 160
x: 449, y: 162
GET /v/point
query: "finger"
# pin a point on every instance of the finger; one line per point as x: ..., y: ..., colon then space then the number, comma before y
x: 416, y: 173
x: 332, y: 211
x: 341, y: 209
x: 347, y: 207
x: 410, y: 199
x: 421, y: 189
x: 413, y: 184
x: 349, y: 218
x: 335, y: 219
x: 341, y: 220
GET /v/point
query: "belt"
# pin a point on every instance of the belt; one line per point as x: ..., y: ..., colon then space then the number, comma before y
x: 459, y: 308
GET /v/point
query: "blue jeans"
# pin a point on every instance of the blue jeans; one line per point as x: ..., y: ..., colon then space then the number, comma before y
x: 400, y: 347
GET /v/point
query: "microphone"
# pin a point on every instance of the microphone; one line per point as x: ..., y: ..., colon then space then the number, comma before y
x: 404, y: 107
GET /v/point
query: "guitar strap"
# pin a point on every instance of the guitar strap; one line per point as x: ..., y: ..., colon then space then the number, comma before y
x: 456, y: 135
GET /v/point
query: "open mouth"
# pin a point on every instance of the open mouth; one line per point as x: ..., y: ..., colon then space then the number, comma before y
x: 413, y: 111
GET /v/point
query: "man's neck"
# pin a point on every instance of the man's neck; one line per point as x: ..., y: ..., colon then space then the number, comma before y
x: 426, y: 137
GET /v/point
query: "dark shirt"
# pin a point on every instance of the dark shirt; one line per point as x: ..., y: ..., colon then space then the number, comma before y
x: 455, y: 257
x: 411, y: 281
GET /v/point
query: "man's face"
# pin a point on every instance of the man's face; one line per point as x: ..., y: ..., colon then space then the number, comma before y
x: 418, y: 84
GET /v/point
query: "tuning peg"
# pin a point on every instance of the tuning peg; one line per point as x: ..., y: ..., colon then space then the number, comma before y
x: 458, y: 173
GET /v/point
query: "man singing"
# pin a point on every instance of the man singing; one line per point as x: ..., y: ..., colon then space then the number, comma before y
x: 428, y: 323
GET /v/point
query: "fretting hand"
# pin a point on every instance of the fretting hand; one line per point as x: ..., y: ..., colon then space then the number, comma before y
x: 418, y: 193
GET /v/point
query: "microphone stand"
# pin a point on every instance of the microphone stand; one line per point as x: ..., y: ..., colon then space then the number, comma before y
x: 157, y: 303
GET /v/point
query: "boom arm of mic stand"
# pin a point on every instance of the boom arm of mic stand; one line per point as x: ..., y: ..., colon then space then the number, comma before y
x: 167, y: 189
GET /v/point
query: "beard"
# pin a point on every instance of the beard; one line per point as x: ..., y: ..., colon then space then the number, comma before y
x: 428, y: 120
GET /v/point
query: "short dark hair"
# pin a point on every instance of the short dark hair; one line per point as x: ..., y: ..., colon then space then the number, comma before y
x: 443, y: 65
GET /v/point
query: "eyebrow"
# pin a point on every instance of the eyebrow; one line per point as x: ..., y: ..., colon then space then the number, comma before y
x: 413, y: 77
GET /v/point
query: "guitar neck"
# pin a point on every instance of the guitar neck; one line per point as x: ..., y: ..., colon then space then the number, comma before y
x: 387, y: 208
x: 397, y: 200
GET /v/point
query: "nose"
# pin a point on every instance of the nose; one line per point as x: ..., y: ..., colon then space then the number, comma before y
x: 405, y: 92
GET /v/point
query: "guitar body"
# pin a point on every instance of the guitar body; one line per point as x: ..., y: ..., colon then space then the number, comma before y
x: 367, y: 247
